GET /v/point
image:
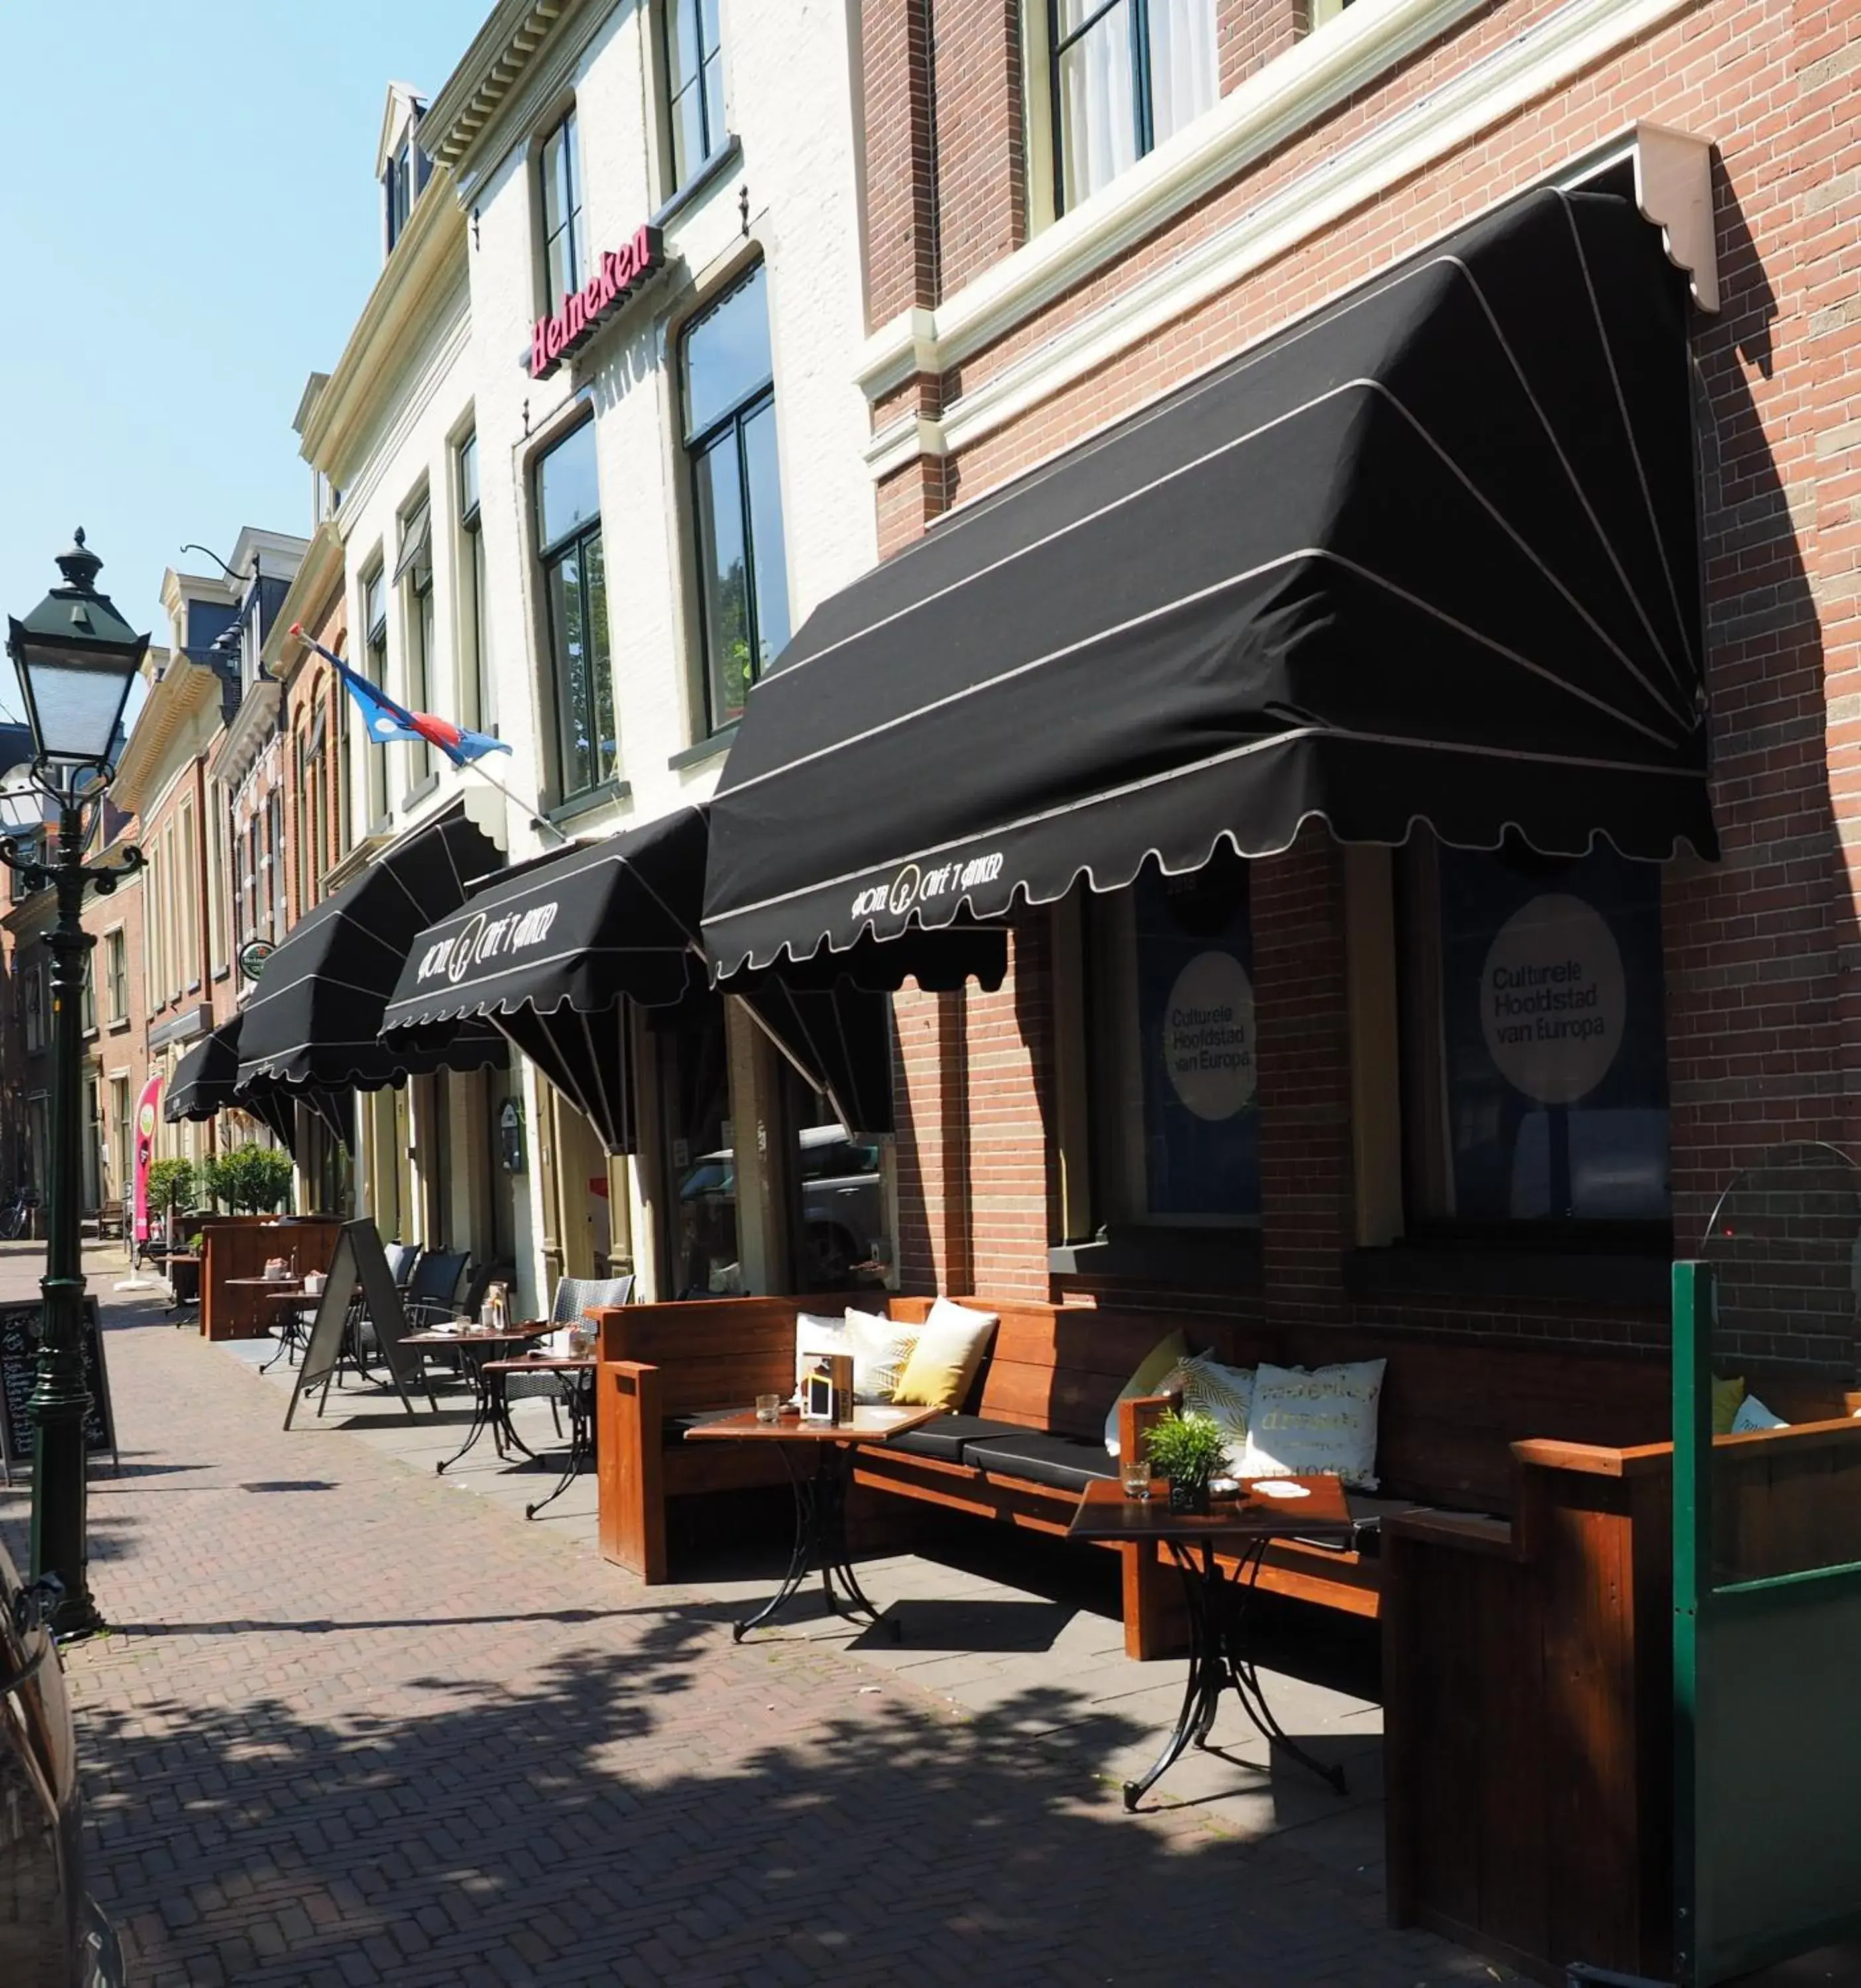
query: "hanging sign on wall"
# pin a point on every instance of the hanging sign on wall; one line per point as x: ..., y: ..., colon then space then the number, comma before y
x: 582, y: 312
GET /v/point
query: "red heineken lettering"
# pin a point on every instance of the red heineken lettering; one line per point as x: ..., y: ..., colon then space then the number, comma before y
x: 581, y: 313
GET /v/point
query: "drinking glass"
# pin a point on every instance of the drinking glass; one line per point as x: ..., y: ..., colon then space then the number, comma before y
x: 1133, y: 1473
x: 768, y: 1407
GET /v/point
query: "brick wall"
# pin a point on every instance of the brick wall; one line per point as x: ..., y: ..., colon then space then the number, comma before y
x: 900, y: 223
x: 1251, y: 32
x: 1762, y: 956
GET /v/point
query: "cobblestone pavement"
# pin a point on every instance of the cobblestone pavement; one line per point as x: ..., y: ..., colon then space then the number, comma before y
x: 350, y: 1726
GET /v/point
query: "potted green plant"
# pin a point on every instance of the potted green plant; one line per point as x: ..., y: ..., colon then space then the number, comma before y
x: 171, y: 1185
x: 1188, y: 1450
x: 255, y: 1179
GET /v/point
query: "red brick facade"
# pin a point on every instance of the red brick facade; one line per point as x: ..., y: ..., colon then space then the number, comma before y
x: 1761, y: 953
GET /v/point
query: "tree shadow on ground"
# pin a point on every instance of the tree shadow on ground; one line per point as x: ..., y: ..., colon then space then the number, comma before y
x: 597, y: 1821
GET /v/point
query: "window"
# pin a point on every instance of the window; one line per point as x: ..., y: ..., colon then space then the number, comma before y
x: 116, y: 973
x: 122, y: 1163
x: 415, y: 577
x: 87, y: 1003
x: 474, y: 711
x: 1126, y: 75
x: 575, y: 589
x: 563, y: 251
x: 736, y: 494
x: 694, y: 84
x: 1326, y: 10
x: 278, y: 916
x: 34, y: 1005
x: 1534, y: 1050
x: 407, y: 172
x: 1177, y: 1138
x: 701, y: 1161
x: 374, y: 593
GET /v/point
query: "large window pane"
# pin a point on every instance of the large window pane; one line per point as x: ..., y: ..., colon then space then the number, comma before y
x: 569, y: 638
x: 1553, y: 1039
x: 727, y: 354
x: 568, y: 493
x: 1184, y: 69
x: 718, y: 496
x: 769, y: 555
x: 1196, y: 1042
x: 1098, y: 135
x: 601, y: 665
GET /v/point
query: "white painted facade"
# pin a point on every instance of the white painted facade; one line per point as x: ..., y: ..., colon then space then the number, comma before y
x: 445, y: 344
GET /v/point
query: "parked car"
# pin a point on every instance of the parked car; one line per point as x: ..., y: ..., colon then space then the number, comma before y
x: 52, y: 1934
x: 843, y: 1205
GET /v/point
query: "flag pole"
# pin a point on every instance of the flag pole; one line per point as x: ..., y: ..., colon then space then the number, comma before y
x: 537, y: 819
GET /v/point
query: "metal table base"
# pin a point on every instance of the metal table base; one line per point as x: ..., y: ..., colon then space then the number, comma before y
x: 820, y: 1542
x: 1218, y: 1660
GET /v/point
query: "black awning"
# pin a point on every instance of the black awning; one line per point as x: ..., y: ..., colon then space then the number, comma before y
x: 551, y: 952
x: 575, y: 929
x: 205, y: 1079
x: 1430, y: 555
x: 206, y: 1083
x: 314, y: 1022
x: 839, y: 1038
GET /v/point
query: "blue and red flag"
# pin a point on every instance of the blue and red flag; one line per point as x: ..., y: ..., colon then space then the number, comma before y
x: 387, y: 719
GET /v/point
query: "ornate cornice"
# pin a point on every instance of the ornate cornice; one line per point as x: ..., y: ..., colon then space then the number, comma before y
x: 422, y: 276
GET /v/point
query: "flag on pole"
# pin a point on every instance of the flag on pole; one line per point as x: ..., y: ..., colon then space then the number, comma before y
x: 387, y: 719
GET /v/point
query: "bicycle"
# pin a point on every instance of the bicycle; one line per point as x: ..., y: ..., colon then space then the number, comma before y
x: 16, y: 1218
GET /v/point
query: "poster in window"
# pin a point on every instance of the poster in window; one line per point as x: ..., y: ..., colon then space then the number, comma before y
x: 1195, y: 1003
x: 1554, y: 1034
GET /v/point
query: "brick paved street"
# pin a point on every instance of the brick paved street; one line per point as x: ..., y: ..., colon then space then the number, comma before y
x: 353, y: 1726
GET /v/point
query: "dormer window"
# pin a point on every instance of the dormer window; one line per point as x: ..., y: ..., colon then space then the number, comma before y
x: 398, y: 184
x: 404, y: 167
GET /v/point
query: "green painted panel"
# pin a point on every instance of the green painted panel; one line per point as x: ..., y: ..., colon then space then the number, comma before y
x: 1777, y: 1777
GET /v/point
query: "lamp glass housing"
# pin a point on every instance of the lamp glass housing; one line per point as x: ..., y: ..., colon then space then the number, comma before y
x: 74, y: 697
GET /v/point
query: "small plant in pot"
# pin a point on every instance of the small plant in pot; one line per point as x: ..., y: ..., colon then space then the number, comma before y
x: 1188, y: 1450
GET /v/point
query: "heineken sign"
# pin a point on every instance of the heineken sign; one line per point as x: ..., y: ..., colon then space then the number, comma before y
x: 582, y: 312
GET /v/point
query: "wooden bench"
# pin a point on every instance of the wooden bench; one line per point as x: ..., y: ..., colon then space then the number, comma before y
x: 1032, y: 1433
x: 1527, y: 1666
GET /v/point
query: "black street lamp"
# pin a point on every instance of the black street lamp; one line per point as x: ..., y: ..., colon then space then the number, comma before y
x: 76, y: 657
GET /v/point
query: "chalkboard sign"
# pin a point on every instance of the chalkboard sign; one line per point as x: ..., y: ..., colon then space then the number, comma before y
x: 359, y: 1259
x: 19, y: 1333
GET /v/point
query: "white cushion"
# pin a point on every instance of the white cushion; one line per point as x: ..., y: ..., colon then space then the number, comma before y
x: 815, y: 1335
x: 1753, y: 1414
x: 1225, y: 1394
x: 880, y: 1347
x: 1322, y: 1424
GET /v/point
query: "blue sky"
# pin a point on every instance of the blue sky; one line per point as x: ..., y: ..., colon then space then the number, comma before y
x: 189, y: 228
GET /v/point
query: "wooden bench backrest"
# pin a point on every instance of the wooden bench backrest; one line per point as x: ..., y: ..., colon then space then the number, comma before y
x: 715, y: 1353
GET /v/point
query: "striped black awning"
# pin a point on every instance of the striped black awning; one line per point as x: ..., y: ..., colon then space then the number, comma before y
x: 1431, y: 555
x: 314, y: 1021
x: 206, y: 1083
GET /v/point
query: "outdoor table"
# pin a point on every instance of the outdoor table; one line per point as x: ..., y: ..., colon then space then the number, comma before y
x: 1217, y: 1606
x: 287, y: 1302
x: 820, y: 1500
x: 577, y: 1397
x: 186, y: 1288
x: 477, y: 1348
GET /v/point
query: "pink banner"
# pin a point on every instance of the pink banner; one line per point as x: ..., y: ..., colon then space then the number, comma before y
x: 145, y: 1152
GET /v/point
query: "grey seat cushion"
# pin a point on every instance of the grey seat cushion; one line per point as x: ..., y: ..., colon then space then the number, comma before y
x: 1367, y: 1516
x: 1060, y: 1461
x: 945, y: 1438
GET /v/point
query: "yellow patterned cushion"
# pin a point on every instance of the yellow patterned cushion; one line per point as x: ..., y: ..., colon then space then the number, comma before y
x: 1727, y: 1397
x: 1152, y: 1369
